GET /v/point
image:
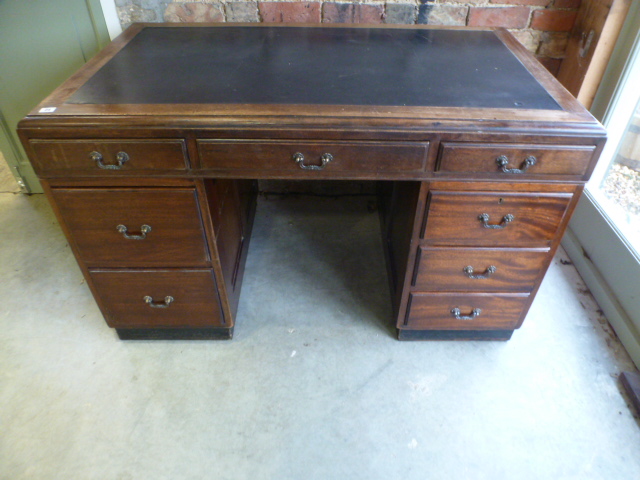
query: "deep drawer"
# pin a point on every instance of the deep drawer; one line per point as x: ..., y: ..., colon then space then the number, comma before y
x: 107, y: 157
x: 478, y: 269
x: 494, y: 219
x: 436, y: 311
x: 96, y: 218
x: 366, y: 158
x: 521, y: 160
x: 159, y: 298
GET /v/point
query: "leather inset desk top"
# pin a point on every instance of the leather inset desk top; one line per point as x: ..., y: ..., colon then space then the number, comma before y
x: 369, y: 67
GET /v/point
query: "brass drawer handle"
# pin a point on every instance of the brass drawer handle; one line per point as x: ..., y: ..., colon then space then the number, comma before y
x: 490, y: 270
x: 144, y: 229
x: 325, y: 158
x: 474, y: 313
x: 121, y: 158
x: 484, y: 218
x: 168, y: 300
x: 503, y: 161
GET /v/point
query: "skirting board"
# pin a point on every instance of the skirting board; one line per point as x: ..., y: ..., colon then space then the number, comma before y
x: 617, y: 317
x: 631, y: 383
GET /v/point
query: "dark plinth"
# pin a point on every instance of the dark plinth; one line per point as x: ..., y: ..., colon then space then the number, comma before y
x: 175, y: 333
x: 454, y: 334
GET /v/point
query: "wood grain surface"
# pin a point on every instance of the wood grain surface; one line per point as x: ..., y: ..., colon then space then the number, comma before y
x: 195, y: 298
x: 442, y: 269
x: 433, y: 311
x: 453, y: 218
x: 176, y: 238
x: 481, y: 158
x: 354, y: 157
x: 72, y: 157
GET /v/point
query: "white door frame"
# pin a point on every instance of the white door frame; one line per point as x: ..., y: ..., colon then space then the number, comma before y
x: 111, y: 18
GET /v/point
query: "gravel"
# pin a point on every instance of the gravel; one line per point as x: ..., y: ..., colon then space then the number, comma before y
x: 622, y: 186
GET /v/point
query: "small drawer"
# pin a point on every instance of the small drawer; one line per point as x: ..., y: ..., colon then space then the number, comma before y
x: 514, y: 160
x: 156, y: 227
x: 366, y: 158
x: 478, y: 269
x: 159, y: 298
x: 494, y: 219
x: 107, y: 157
x: 473, y: 311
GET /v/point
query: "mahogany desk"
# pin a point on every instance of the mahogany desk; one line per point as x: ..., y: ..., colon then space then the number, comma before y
x: 150, y: 154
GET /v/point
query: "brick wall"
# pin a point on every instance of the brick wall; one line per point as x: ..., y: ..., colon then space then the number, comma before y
x: 542, y: 26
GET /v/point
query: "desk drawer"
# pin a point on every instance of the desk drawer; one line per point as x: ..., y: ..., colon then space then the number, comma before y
x: 159, y: 298
x: 494, y: 219
x: 94, y: 216
x: 492, y: 270
x: 475, y: 311
x: 367, y: 158
x: 107, y: 157
x: 493, y: 159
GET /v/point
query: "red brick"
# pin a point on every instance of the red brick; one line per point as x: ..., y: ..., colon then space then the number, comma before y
x: 351, y: 13
x: 368, y: 13
x: 530, y: 39
x: 400, y: 13
x: 509, y: 17
x: 290, y: 12
x: 194, y: 12
x: 537, y: 3
x: 567, y: 4
x: 554, y: 44
x: 551, y: 64
x: 447, y: 15
x: 553, y: 20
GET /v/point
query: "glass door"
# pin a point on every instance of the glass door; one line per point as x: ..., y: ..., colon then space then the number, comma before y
x: 603, y: 238
x: 616, y: 182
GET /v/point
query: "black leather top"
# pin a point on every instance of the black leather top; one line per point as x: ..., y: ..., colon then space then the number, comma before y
x: 331, y: 66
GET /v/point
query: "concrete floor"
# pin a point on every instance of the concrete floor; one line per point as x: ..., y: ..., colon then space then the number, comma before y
x: 313, y: 386
x: 8, y: 183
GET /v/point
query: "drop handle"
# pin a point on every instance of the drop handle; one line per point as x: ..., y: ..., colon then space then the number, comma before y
x: 490, y: 270
x: 325, y: 159
x: 484, y: 218
x: 144, y: 229
x: 121, y: 159
x: 168, y: 300
x: 503, y: 161
x: 455, y: 312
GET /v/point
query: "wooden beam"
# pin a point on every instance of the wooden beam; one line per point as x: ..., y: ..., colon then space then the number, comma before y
x: 592, y: 40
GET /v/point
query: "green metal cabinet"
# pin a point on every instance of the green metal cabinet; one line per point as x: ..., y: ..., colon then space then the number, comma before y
x: 42, y: 42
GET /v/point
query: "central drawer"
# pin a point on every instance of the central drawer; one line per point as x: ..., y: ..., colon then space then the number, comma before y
x: 494, y: 219
x: 119, y: 227
x: 365, y: 158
